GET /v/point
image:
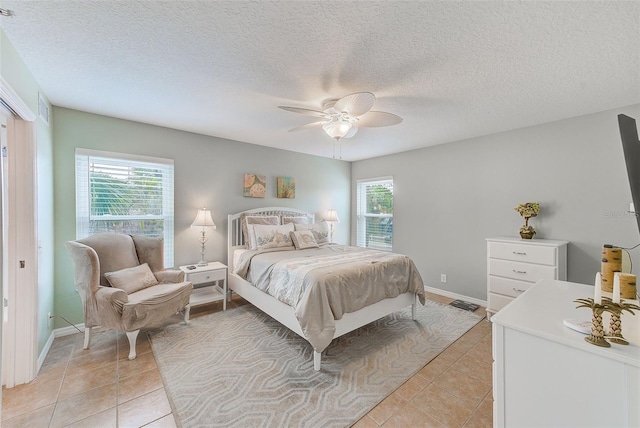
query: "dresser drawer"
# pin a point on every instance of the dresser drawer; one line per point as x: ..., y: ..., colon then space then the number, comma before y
x: 521, y: 271
x: 203, y: 277
x: 507, y: 287
x: 497, y: 302
x: 523, y: 253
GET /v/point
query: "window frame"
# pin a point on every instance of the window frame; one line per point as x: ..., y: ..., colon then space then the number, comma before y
x: 362, y: 215
x: 83, y: 160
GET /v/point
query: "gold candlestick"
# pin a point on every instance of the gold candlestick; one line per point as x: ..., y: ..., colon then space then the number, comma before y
x: 597, y: 330
x: 615, y: 325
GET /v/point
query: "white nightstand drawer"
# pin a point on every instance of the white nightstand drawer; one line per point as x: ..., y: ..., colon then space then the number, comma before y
x: 507, y: 287
x: 521, y: 271
x: 203, y: 277
x: 523, y: 253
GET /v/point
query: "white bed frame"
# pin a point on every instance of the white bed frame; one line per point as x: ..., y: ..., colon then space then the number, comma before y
x: 284, y: 313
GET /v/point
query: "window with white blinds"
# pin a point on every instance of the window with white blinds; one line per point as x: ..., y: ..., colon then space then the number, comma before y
x: 375, y: 213
x: 124, y: 193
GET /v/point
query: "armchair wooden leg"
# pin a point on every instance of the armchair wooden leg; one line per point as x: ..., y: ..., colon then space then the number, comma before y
x: 87, y: 338
x: 132, y: 335
x: 187, y: 309
x: 317, y: 357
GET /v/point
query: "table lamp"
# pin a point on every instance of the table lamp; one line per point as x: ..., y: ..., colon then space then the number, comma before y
x: 204, y: 220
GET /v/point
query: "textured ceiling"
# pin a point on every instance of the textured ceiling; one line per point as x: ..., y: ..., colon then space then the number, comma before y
x: 452, y: 70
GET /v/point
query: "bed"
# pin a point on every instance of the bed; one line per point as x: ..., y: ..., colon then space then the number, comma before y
x: 320, y: 329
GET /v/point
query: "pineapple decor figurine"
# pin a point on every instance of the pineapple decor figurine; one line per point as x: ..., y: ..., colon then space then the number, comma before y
x: 597, y: 330
x: 527, y: 210
x: 615, y: 324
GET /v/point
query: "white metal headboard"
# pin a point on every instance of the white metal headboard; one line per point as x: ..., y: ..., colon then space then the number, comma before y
x: 235, y: 239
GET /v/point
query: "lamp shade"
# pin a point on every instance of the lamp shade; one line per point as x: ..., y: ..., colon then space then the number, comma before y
x: 332, y: 215
x: 203, y: 219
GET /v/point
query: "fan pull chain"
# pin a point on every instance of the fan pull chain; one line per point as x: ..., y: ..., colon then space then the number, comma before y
x: 334, y: 149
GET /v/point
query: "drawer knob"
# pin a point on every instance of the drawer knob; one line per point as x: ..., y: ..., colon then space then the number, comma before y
x: 519, y: 253
x: 520, y: 271
x: 517, y: 290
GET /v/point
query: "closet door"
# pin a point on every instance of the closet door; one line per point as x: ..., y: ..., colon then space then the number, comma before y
x: 19, y: 253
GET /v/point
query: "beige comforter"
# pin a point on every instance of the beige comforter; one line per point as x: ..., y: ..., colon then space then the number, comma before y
x: 322, y: 284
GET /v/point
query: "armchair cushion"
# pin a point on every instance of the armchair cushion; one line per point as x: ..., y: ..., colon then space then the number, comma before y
x: 132, y: 279
x: 151, y: 306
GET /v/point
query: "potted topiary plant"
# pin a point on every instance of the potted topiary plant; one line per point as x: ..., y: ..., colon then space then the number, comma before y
x: 527, y: 210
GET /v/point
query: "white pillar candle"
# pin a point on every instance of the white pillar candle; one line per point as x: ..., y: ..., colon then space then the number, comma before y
x: 597, y: 296
x: 616, y: 287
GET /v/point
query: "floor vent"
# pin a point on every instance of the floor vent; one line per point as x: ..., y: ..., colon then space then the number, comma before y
x: 464, y: 305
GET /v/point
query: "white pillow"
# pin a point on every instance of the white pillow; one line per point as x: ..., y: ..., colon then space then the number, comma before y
x: 132, y: 279
x: 320, y: 231
x: 299, y: 220
x: 303, y: 239
x: 268, y: 236
x: 248, y: 219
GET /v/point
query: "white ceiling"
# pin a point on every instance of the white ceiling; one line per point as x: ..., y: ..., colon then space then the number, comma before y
x: 452, y: 70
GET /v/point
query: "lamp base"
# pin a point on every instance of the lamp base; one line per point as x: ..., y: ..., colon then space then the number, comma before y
x: 202, y: 261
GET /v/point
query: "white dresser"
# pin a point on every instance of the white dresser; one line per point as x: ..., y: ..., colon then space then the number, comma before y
x: 514, y: 265
x: 546, y: 375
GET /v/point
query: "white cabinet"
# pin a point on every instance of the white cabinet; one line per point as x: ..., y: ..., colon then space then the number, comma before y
x: 547, y: 375
x: 206, y: 283
x: 514, y: 265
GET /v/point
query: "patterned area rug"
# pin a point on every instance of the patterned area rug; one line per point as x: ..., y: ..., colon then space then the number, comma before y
x: 241, y: 368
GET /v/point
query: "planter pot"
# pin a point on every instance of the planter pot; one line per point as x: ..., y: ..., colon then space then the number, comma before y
x: 527, y: 235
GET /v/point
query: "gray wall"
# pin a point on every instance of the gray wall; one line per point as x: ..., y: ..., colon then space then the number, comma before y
x: 208, y: 172
x: 450, y: 198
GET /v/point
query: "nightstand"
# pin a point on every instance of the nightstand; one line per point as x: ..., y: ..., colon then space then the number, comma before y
x: 206, y: 283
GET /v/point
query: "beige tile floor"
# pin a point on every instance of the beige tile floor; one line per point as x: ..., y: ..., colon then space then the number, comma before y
x: 100, y: 387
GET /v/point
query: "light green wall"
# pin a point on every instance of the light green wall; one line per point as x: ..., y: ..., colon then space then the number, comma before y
x: 208, y: 172
x: 18, y: 76
x: 448, y: 199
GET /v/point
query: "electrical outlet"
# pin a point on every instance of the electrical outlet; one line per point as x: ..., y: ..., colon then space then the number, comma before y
x: 443, y: 277
x: 49, y: 319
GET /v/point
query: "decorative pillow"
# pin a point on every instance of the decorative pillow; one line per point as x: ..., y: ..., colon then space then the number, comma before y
x: 320, y: 231
x: 297, y: 220
x: 303, y: 239
x: 248, y: 219
x: 132, y: 279
x: 267, y: 236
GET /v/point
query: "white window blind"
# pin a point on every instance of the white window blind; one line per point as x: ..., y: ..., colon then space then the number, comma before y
x: 124, y: 193
x: 375, y: 213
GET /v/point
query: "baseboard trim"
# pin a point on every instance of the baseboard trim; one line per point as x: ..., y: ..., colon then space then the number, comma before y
x: 45, y: 351
x: 69, y: 330
x: 455, y: 296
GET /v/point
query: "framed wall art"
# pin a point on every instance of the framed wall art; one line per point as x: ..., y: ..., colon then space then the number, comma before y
x: 286, y: 187
x: 255, y: 186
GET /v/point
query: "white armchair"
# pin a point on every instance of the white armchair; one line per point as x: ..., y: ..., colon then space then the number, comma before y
x: 124, y: 286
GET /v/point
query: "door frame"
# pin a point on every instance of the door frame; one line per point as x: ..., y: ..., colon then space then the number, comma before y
x: 21, y: 365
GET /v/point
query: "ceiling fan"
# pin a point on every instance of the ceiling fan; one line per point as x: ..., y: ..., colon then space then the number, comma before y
x: 341, y: 118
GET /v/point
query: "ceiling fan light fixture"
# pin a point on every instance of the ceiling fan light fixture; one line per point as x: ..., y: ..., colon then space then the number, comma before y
x: 337, y: 128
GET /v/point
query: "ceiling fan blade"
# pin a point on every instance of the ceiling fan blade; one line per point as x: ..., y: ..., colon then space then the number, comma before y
x: 306, y: 111
x: 353, y: 131
x: 307, y: 126
x: 355, y: 104
x: 377, y: 119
